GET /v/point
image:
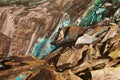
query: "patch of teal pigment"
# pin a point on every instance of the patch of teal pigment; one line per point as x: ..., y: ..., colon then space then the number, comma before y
x: 92, y: 15
x: 38, y: 46
x: 20, y: 77
x: 44, y: 46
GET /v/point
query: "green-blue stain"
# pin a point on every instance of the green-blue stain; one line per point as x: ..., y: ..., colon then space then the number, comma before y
x: 44, y: 47
x: 66, y: 38
x: 38, y: 46
x: 20, y: 77
x: 67, y: 22
x: 30, y: 3
x: 53, y: 47
x: 93, y: 15
x: 24, y: 1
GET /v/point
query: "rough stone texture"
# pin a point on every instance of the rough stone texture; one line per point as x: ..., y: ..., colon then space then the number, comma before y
x: 71, y: 57
x: 106, y: 74
x: 20, y: 22
x: 69, y: 75
x: 4, y: 44
x: 26, y: 25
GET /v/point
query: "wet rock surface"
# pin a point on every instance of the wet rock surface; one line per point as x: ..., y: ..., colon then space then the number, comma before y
x: 74, y: 40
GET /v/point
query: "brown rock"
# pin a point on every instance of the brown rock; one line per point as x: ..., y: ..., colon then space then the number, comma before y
x: 14, y: 66
x: 85, y: 65
x: 71, y: 57
x: 46, y: 74
x: 74, y: 32
x: 114, y: 39
x: 4, y: 44
x: 106, y: 74
x: 69, y: 75
x: 114, y: 54
x: 113, y: 31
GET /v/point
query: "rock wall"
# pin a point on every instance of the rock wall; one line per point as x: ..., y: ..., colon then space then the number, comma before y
x: 25, y: 24
x: 33, y: 25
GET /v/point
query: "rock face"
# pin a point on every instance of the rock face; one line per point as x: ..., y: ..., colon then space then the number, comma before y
x: 4, y: 44
x: 26, y: 24
x: 30, y: 23
x: 76, y: 39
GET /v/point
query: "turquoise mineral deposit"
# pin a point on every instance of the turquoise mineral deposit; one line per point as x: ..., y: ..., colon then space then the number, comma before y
x: 20, y: 77
x: 93, y: 15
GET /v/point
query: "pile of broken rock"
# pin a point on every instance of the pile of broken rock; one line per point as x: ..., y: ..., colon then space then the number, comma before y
x: 91, y: 51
